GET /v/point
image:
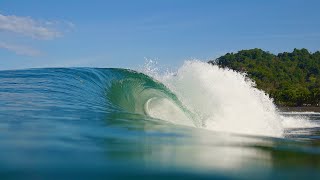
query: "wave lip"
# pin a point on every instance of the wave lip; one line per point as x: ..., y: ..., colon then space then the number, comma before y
x: 138, y: 93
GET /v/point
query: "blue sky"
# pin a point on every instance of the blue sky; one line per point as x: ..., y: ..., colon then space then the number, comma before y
x: 96, y: 33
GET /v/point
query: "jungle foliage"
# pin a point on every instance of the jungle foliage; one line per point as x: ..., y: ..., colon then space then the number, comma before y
x: 290, y: 78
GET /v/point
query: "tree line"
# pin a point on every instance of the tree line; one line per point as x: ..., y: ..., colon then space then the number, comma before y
x: 290, y: 78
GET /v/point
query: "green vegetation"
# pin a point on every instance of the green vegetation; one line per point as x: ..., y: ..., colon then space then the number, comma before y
x: 292, y: 79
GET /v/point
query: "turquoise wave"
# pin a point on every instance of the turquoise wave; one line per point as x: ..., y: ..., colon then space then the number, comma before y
x: 107, y: 90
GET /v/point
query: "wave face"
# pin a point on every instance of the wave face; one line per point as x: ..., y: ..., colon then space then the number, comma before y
x: 197, y: 95
x: 137, y: 93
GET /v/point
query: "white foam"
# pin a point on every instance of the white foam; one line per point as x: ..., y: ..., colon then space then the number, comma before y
x: 297, y: 122
x: 224, y: 100
x: 301, y: 113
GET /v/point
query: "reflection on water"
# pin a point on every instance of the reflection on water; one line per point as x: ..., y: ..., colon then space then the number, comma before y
x: 166, y: 147
x: 124, y: 145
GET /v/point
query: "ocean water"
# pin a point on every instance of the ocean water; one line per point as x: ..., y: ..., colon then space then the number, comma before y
x: 200, y: 121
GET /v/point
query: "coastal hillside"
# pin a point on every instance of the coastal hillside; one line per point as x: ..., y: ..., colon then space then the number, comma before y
x: 291, y: 78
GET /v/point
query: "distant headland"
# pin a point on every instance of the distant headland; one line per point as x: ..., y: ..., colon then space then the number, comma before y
x: 290, y: 78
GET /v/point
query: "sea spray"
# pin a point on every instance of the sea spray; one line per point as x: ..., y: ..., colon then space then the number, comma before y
x: 222, y: 99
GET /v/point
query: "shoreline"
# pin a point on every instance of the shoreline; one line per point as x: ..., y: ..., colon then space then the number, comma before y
x: 299, y: 109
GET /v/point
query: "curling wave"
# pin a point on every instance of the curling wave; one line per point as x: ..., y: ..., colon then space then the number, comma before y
x: 196, y: 95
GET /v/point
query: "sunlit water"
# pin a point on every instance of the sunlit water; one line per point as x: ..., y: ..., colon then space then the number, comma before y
x: 115, y: 123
